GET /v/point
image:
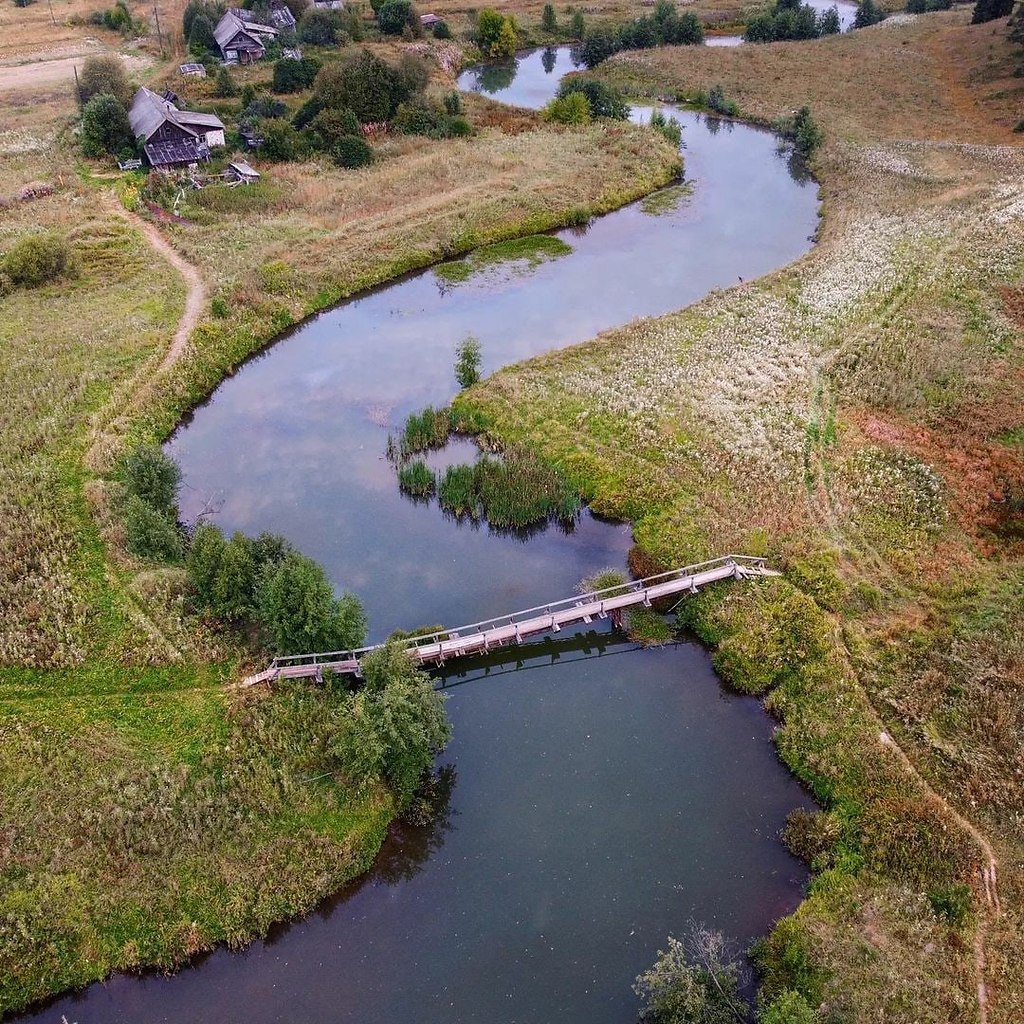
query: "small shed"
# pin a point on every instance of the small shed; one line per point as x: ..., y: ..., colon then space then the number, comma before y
x: 429, y: 20
x: 241, y: 173
x: 193, y: 70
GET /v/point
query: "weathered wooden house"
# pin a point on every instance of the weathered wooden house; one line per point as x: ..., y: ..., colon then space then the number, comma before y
x: 242, y: 40
x: 170, y: 136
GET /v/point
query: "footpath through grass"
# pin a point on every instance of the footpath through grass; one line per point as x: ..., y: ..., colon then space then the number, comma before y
x: 854, y: 418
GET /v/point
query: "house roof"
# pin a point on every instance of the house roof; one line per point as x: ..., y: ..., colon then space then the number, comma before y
x: 236, y: 20
x: 181, y: 151
x: 150, y: 111
x: 244, y: 169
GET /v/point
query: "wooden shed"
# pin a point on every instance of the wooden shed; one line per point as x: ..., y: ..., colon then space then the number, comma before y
x: 241, y: 173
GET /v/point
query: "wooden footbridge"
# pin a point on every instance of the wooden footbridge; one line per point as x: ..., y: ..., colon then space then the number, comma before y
x: 437, y: 648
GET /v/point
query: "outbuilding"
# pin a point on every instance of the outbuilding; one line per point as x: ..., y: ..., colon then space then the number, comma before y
x: 241, y: 173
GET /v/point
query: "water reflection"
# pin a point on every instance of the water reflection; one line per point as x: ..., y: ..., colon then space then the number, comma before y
x: 496, y: 77
x: 548, y: 58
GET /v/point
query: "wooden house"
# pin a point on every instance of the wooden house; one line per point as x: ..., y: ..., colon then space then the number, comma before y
x: 242, y: 40
x: 171, y: 136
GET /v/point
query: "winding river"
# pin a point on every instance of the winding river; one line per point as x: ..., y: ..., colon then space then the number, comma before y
x: 597, y: 796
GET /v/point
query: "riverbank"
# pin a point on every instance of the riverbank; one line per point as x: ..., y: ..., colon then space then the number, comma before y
x: 856, y: 418
x: 147, y: 815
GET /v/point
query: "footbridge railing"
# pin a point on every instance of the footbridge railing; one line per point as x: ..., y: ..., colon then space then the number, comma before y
x: 437, y: 647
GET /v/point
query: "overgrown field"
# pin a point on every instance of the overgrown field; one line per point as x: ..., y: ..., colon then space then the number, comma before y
x: 146, y: 814
x: 857, y: 418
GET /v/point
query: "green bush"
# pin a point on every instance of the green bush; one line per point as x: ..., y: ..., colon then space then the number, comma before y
x: 548, y: 21
x: 330, y: 126
x: 319, y: 27
x: 281, y: 141
x: 37, y: 259
x: 365, y: 84
x: 295, y: 75
x: 496, y: 33
x: 105, y: 127
x: 990, y: 10
x: 788, y: 1007
x: 201, y: 40
x: 869, y: 13
x: 352, y: 151
x: 667, y: 126
x: 151, y: 475
x: 665, y: 27
x: 396, y: 15
x: 805, y: 131
x: 953, y: 903
x: 225, y: 87
x: 571, y: 109
x: 716, y: 101
x: 604, y: 100
x: 104, y: 76
x: 150, y: 533
x: 212, y: 11
x: 442, y: 31
x: 298, y: 613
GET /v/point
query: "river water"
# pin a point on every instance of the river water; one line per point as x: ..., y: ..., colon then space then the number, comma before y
x: 598, y: 796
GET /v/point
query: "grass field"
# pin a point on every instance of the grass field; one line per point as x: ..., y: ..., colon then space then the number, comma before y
x: 856, y: 417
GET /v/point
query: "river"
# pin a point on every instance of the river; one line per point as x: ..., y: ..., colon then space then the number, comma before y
x: 599, y: 796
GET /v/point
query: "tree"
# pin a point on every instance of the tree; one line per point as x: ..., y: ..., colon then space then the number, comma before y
x: 148, y: 532
x: 603, y: 99
x: 234, y: 585
x: 225, y: 87
x: 319, y: 27
x: 201, y: 40
x: 365, y: 84
x: 990, y: 10
x: 467, y: 359
x: 105, y: 128
x: 548, y: 21
x: 298, y: 613
x: 152, y: 475
x: 352, y: 151
x: 806, y: 133
x: 578, y: 25
x: 208, y: 9
x: 496, y: 33
x: 394, y: 16
x: 202, y: 564
x: 330, y: 126
x: 868, y: 13
x: 281, y: 141
x: 295, y: 75
x: 829, y: 23
x: 598, y: 45
x: 695, y: 981
x: 788, y: 1007
x: 104, y: 76
x: 398, y: 723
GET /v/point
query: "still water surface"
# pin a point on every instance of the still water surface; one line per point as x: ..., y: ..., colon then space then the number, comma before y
x: 599, y: 796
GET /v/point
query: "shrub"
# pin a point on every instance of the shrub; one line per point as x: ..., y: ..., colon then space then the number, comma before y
x: 259, y: 107
x: 225, y: 87
x: 151, y: 475
x: 417, y: 479
x: 829, y: 23
x: 201, y: 40
x: 281, y: 141
x: 298, y: 613
x: 421, y: 118
x: 37, y: 259
x: 788, y: 1007
x: 365, y: 84
x: 200, y: 8
x: 805, y: 131
x: 395, y: 15
x: 205, y: 552
x: 398, y: 722
x: 330, y: 126
x: 352, y: 151
x: 467, y: 361
x: 868, y: 13
x: 105, y: 127
x: 148, y: 532
x: 453, y: 104
x: 295, y: 75
x: 603, y: 100
x: 319, y: 27
x: 790, y: 20
x: 578, y: 25
x: 598, y: 45
x: 496, y: 33
x: 990, y: 10
x: 952, y: 902
x: 665, y: 27
x: 717, y: 101
x: 104, y: 76
x: 571, y: 109
x: 548, y: 21
x: 667, y: 126
x: 442, y: 31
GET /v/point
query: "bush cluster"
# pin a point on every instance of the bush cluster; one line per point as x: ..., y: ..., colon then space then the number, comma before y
x: 924, y: 6
x: 868, y: 13
x: 420, y: 116
x: 267, y: 587
x: 295, y: 75
x: 990, y: 10
x: 35, y: 260
x: 104, y: 76
x: 149, y: 507
x: 117, y: 18
x: 496, y: 33
x: 665, y: 27
x: 106, y: 129
x: 603, y: 100
x: 789, y: 19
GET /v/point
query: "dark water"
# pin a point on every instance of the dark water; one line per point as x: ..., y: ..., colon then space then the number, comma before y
x: 598, y: 796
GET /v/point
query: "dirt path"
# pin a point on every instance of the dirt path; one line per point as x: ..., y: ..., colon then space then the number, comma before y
x: 49, y: 70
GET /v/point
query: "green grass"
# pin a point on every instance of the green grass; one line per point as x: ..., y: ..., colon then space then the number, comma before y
x: 528, y: 253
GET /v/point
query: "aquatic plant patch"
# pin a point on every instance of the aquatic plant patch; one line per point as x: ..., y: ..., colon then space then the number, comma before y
x: 516, y: 256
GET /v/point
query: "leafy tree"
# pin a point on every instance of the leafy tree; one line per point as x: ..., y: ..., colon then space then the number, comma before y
x: 548, y: 21
x: 414, y: 73
x: 208, y: 9
x: 578, y: 26
x: 394, y: 16
x: 695, y: 981
x: 990, y: 10
x: 829, y: 23
x: 281, y: 141
x: 806, y: 133
x: 225, y: 87
x: 234, y: 585
x: 365, y: 84
x: 319, y: 27
x: 153, y: 476
x: 598, y: 45
x: 467, y: 360
x: 604, y: 100
x: 398, y: 723
x: 496, y: 33
x: 105, y: 127
x: 330, y: 126
x: 788, y: 1007
x: 295, y: 75
x: 200, y: 39
x: 717, y: 101
x: 37, y: 259
x: 104, y: 76
x: 298, y: 613
x: 352, y: 151
x: 868, y: 13
x: 205, y: 554
x: 148, y: 532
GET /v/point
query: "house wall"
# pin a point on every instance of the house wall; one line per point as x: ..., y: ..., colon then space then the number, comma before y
x: 215, y: 137
x: 168, y: 132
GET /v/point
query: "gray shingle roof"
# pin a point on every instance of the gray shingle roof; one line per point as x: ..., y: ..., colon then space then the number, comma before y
x: 236, y: 20
x: 149, y: 112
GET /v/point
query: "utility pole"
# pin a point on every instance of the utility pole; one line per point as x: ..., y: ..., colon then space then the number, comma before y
x: 78, y: 89
x: 49, y: 3
x: 159, y: 35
